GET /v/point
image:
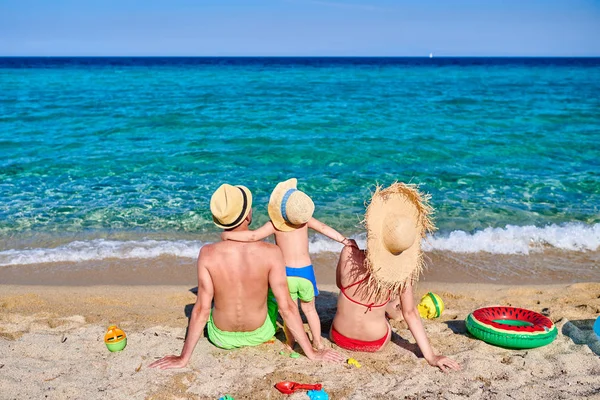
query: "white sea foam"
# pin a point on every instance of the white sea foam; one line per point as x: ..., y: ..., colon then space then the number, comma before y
x: 100, y: 249
x: 508, y: 240
x: 519, y: 239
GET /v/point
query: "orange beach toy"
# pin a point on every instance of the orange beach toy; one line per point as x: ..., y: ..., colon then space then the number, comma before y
x: 115, y: 339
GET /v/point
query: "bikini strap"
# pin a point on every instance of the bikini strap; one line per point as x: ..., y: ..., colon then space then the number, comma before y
x: 369, y: 306
x: 355, y: 283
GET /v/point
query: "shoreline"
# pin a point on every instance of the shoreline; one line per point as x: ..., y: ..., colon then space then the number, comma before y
x: 549, y: 267
x: 52, y: 338
x: 133, y: 303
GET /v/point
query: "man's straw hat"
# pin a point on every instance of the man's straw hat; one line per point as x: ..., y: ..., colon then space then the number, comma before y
x: 397, y: 218
x: 289, y: 208
x: 230, y: 205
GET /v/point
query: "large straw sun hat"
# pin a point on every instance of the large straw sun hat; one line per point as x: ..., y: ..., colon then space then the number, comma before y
x: 230, y: 205
x: 397, y: 218
x: 289, y: 208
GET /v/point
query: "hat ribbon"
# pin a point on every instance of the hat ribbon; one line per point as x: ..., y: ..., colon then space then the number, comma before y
x: 284, y: 201
x: 239, y: 218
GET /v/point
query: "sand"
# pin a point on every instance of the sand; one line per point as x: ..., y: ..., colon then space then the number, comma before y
x: 51, y: 347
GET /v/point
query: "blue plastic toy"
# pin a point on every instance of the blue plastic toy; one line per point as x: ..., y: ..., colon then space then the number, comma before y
x: 597, y: 327
x: 318, y: 395
x: 226, y: 397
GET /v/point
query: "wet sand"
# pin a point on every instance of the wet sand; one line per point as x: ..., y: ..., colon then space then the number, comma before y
x: 549, y: 267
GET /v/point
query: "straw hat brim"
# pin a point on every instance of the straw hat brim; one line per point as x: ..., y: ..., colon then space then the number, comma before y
x: 274, y: 207
x: 245, y: 212
x: 391, y: 271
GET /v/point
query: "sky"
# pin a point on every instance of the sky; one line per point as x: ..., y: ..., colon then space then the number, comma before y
x: 299, y: 27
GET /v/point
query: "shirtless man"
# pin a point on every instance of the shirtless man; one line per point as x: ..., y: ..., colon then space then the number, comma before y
x: 238, y: 276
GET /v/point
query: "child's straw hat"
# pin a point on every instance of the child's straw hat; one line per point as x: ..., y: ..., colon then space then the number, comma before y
x: 289, y: 208
x: 230, y: 205
x: 397, y: 218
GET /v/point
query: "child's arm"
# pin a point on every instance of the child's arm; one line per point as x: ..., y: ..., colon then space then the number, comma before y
x: 413, y: 319
x: 328, y: 231
x: 250, y: 236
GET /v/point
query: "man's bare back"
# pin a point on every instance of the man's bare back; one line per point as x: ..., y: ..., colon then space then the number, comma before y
x: 240, y: 272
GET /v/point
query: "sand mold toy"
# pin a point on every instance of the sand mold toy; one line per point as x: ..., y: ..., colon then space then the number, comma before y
x: 115, y: 339
x: 317, y: 395
x: 511, y: 327
x: 352, y: 361
x: 293, y: 354
x: 430, y: 306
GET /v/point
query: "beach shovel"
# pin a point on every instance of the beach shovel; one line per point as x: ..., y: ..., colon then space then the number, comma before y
x: 287, y: 387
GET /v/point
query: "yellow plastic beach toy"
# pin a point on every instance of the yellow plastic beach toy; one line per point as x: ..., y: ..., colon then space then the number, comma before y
x: 115, y: 339
x: 431, y: 306
x: 352, y: 361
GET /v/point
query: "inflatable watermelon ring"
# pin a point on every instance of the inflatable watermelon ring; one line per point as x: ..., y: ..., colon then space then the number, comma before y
x: 510, y: 327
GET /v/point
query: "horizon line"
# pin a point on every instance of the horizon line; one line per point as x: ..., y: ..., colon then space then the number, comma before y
x: 296, y: 56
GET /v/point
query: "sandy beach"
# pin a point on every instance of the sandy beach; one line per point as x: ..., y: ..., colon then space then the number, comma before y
x: 51, y: 341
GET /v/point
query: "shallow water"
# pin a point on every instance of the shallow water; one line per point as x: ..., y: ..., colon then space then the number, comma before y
x: 101, y: 157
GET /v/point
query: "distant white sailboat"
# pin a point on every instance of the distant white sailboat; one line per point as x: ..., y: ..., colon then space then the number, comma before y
x: 430, y: 55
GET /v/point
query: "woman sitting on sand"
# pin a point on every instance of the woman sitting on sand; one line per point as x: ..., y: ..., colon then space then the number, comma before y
x: 379, y: 281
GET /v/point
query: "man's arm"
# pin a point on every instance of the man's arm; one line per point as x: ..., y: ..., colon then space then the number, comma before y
x: 250, y: 236
x: 289, y: 310
x: 200, y: 314
x: 328, y: 231
x: 413, y: 319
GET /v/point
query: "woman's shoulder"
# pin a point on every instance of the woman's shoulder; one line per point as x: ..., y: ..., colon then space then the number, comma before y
x: 354, y: 253
x: 352, y: 261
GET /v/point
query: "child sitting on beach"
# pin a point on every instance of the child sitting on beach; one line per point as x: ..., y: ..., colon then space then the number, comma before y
x: 291, y: 212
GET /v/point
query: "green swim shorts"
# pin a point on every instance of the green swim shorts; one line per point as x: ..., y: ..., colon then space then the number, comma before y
x: 231, y: 340
x: 300, y: 288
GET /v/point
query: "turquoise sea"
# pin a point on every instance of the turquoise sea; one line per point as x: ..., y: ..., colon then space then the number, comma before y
x: 118, y: 157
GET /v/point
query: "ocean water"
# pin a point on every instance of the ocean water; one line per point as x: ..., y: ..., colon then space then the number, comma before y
x: 118, y: 157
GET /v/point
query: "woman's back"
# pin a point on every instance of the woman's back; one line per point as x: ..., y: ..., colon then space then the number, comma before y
x: 360, y: 313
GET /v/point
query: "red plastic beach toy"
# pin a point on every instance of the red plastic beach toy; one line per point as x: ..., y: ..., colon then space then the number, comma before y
x: 287, y: 387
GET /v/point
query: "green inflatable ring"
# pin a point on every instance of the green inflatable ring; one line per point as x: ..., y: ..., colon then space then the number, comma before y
x: 510, y: 327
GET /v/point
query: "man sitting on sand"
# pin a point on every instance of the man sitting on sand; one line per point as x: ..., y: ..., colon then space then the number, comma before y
x: 237, y: 276
x: 381, y: 278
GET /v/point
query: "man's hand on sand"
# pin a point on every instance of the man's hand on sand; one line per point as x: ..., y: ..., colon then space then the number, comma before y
x: 169, y: 362
x: 328, y: 355
x: 444, y: 363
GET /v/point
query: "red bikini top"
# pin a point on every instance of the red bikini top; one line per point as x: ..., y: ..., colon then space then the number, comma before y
x: 369, y: 306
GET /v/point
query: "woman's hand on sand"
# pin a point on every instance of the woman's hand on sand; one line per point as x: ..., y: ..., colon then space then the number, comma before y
x: 444, y: 363
x: 169, y: 362
x: 327, y: 355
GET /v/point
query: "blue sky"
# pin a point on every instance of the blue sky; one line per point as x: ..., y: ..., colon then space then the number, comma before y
x: 300, y: 27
